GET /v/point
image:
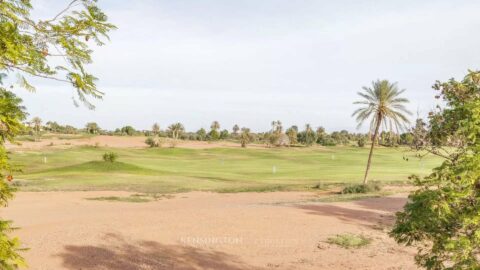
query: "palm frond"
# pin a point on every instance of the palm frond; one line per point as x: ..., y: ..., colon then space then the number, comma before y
x: 382, y: 103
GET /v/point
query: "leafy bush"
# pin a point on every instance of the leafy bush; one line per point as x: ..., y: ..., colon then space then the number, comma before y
x: 318, y: 186
x: 349, y: 240
x: 328, y: 141
x: 151, y: 142
x: 361, y: 142
x: 128, y: 130
x: 361, y: 188
x: 442, y: 216
x: 110, y: 157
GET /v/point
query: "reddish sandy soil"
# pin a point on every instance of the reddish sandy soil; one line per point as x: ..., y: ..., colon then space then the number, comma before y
x: 204, y: 231
x: 116, y: 141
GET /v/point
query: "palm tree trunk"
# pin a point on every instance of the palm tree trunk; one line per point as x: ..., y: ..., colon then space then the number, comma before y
x: 375, y: 135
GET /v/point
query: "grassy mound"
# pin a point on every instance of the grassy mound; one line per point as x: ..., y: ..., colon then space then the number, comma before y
x: 102, y: 167
x: 167, y: 170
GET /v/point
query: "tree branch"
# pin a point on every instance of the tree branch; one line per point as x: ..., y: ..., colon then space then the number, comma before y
x: 35, y: 74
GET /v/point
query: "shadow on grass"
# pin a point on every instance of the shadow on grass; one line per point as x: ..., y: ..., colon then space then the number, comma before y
x: 122, y: 255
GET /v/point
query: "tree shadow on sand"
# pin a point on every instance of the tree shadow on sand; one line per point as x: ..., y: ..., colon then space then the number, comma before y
x: 121, y: 255
x: 386, y: 204
x: 369, y: 216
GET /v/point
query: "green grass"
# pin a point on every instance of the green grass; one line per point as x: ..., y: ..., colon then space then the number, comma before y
x: 168, y: 170
x: 349, y: 240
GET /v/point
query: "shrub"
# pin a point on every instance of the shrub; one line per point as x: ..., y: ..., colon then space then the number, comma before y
x: 110, y: 157
x: 349, y: 240
x: 128, y: 130
x: 273, y: 139
x: 361, y: 142
x: 361, y: 188
x: 328, y: 141
x: 318, y: 186
x: 151, y: 142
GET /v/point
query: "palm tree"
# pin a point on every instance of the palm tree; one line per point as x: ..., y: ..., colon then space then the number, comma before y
x: 92, y: 128
x: 310, y: 135
x: 215, y: 125
x: 383, y: 106
x: 155, y: 129
x: 176, y: 130
x: 235, y: 129
x: 246, y: 137
x: 277, y: 126
x: 37, y: 124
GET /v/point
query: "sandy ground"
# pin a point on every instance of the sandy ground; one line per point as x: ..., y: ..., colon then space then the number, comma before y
x: 117, y: 142
x: 204, y: 231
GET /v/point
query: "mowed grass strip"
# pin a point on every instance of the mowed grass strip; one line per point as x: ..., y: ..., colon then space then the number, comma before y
x: 166, y: 170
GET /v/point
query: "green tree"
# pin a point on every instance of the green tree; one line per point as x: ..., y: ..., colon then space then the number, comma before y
x: 388, y: 138
x: 224, y: 134
x: 155, y: 129
x: 340, y: 137
x: 308, y: 136
x: 202, y: 134
x: 442, y: 217
x: 214, y: 135
x: 151, y: 142
x: 92, y: 128
x: 215, y: 125
x: 53, y: 126
x: 382, y: 104
x: 176, y: 130
x: 70, y: 129
x: 361, y: 142
x: 37, y: 125
x: 246, y: 137
x: 25, y: 45
x: 420, y: 134
x: 275, y: 135
x: 128, y: 130
x: 277, y: 127
x: 235, y: 129
x: 292, y: 134
x: 407, y: 139
x: 321, y: 134
x: 12, y: 113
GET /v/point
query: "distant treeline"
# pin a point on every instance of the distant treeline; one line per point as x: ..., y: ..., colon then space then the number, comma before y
x: 275, y: 137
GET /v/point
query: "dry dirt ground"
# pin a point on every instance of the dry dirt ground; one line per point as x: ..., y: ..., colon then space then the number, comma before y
x: 116, y: 141
x: 281, y: 230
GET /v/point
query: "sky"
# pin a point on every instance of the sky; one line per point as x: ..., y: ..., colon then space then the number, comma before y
x: 249, y: 62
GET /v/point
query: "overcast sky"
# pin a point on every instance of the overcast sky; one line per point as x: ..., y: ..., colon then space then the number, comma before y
x: 249, y: 62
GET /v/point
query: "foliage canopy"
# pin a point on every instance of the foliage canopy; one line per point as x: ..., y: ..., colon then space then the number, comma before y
x: 58, y: 49
x: 442, y: 218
